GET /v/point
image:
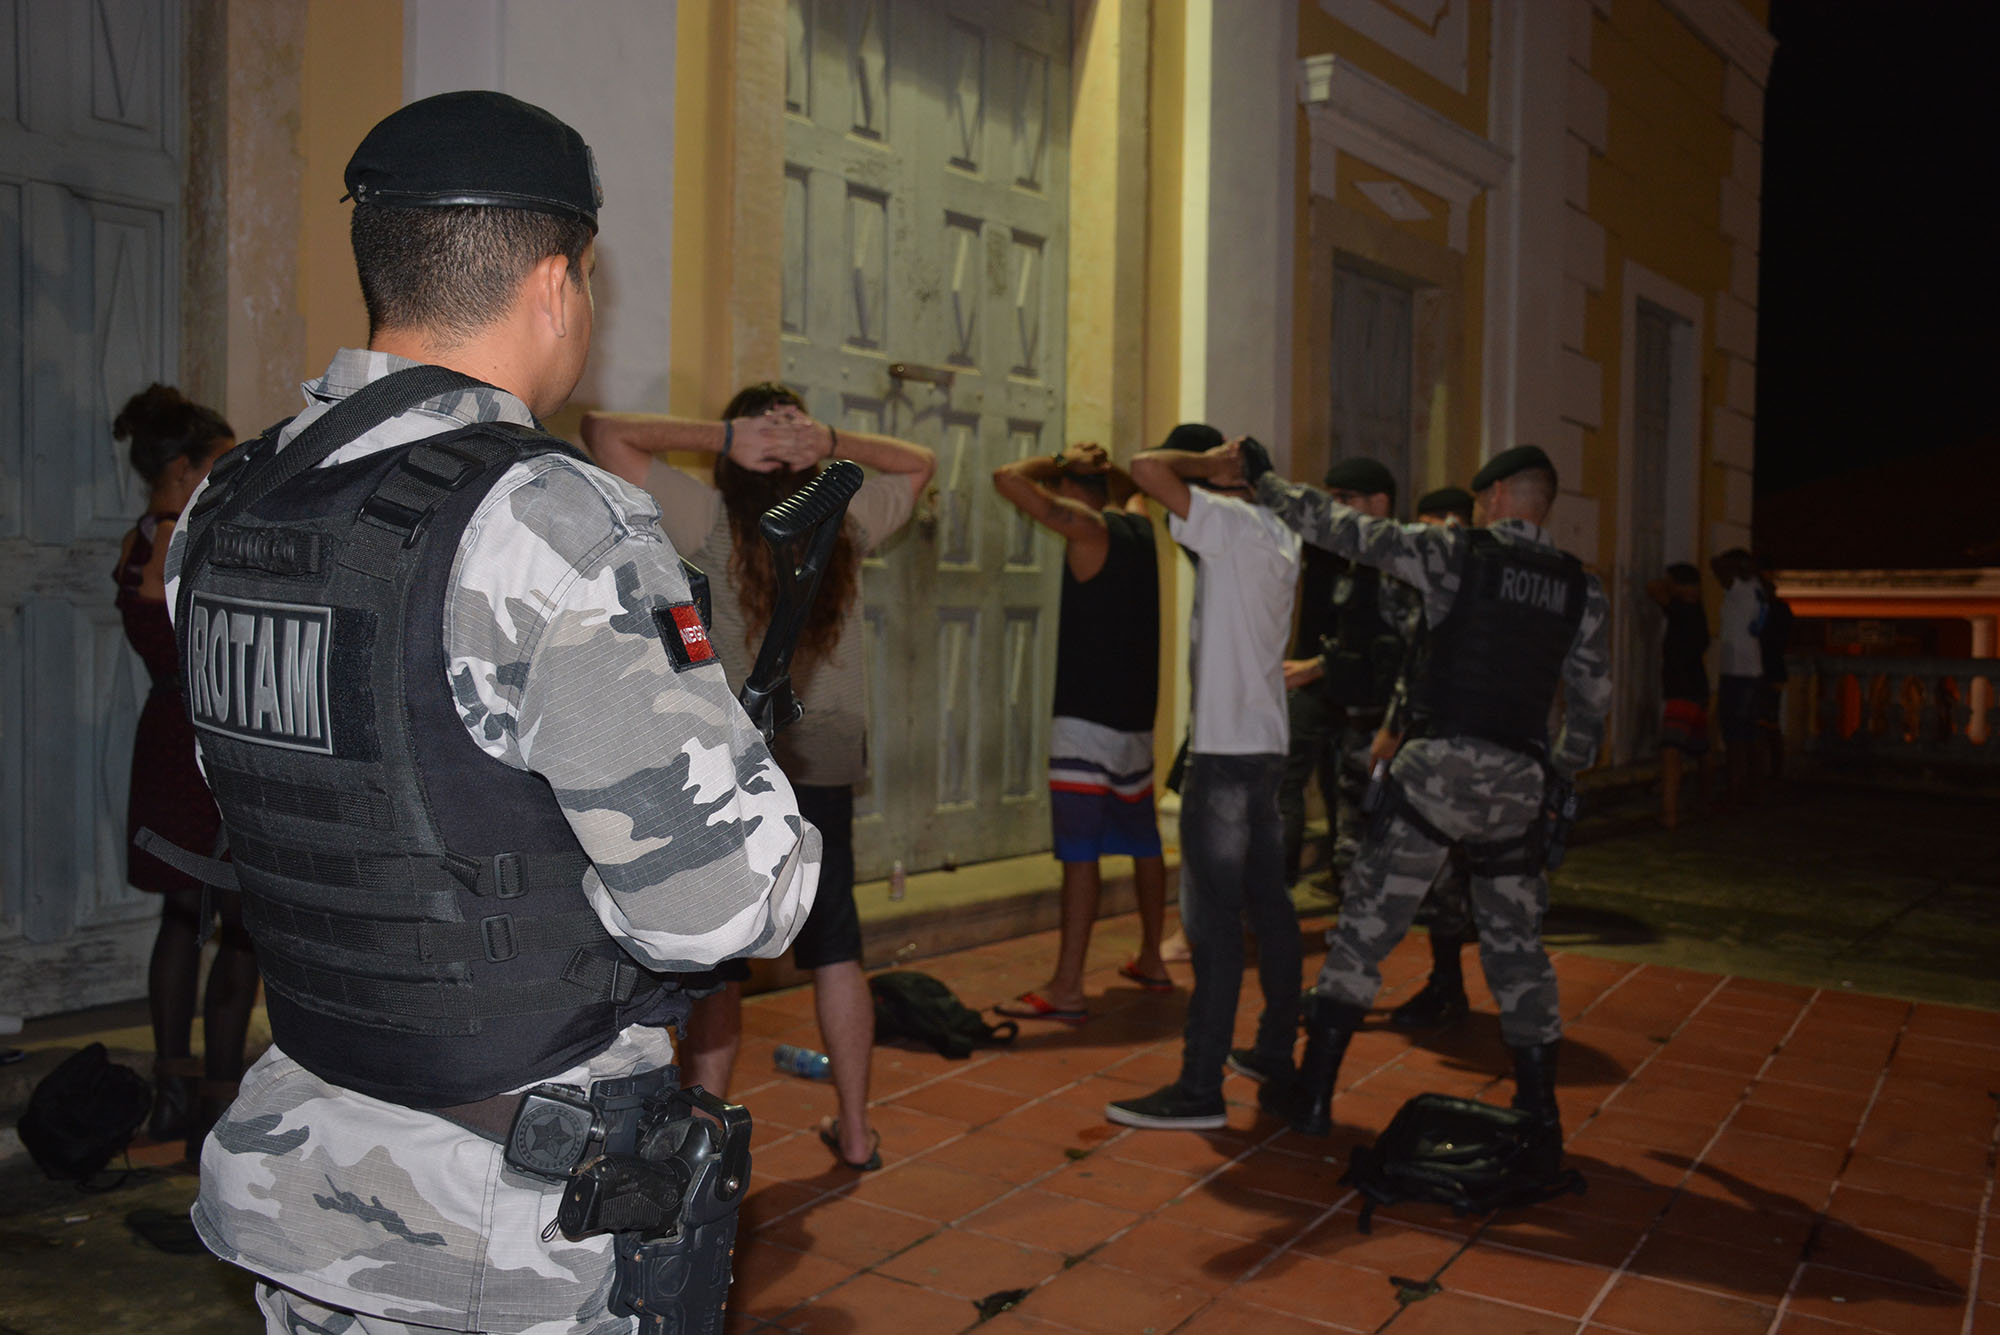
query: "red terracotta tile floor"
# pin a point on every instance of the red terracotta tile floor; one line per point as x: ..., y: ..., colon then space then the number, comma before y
x: 1760, y: 1158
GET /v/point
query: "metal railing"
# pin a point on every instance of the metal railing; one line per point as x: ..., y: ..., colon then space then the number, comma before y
x: 1925, y: 710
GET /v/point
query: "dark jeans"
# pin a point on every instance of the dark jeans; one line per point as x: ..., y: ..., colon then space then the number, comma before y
x: 1232, y: 864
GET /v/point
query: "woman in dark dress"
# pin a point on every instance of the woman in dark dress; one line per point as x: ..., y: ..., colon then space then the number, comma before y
x: 173, y: 443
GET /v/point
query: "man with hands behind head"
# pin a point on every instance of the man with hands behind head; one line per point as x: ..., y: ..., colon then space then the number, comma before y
x: 1511, y: 622
x: 1232, y: 846
x: 1107, y: 687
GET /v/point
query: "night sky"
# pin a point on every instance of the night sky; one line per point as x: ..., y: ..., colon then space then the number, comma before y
x: 1879, y: 314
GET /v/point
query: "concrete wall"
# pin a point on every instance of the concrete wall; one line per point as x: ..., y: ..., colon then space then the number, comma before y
x: 608, y: 69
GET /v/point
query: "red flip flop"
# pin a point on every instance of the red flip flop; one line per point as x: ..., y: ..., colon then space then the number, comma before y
x: 1033, y: 1006
x: 1129, y: 971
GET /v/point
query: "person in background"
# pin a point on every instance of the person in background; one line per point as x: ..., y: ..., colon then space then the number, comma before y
x: 1740, y: 669
x: 765, y: 448
x: 1232, y: 839
x: 1683, y: 687
x: 1107, y: 688
x: 1774, y: 641
x: 172, y: 444
x: 1338, y: 691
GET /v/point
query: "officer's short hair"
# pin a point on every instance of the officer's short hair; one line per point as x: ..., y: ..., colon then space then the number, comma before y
x: 453, y: 271
x: 1537, y: 484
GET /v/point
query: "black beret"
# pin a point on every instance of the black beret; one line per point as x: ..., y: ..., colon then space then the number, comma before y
x: 476, y: 148
x: 1194, y: 437
x: 1363, y: 476
x: 1447, y: 501
x: 1509, y: 462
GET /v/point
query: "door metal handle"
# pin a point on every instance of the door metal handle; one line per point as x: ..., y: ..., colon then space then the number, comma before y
x: 930, y: 375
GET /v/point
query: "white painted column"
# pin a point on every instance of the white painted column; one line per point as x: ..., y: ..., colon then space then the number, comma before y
x: 1239, y: 137
x: 608, y: 70
x: 1526, y: 227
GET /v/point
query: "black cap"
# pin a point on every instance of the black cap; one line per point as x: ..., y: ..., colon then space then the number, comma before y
x: 1447, y: 501
x: 1194, y: 437
x: 1509, y: 462
x: 1363, y: 476
x: 476, y: 148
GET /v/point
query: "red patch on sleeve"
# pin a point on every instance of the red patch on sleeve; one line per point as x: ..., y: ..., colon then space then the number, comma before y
x: 684, y: 635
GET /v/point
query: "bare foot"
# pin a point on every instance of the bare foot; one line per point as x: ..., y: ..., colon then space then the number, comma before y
x: 1174, y: 950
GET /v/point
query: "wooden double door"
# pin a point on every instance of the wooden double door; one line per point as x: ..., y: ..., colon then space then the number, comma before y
x: 926, y: 186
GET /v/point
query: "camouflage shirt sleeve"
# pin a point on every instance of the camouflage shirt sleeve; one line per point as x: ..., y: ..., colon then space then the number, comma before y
x: 1420, y: 555
x: 558, y: 666
x: 1586, y: 678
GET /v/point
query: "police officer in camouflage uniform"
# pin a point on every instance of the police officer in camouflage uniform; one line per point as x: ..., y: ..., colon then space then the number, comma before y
x: 1446, y: 912
x: 1336, y: 697
x: 485, y: 786
x: 1510, y: 620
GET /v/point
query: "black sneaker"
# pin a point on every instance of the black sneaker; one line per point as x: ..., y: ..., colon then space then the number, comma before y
x: 1169, y: 1109
x: 1253, y: 1065
x: 1431, y: 1008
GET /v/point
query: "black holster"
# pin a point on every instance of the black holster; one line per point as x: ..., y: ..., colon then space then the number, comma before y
x: 666, y: 1185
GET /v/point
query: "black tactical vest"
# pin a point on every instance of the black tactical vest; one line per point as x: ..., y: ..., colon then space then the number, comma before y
x: 1493, y: 664
x: 417, y: 906
x: 1364, y: 652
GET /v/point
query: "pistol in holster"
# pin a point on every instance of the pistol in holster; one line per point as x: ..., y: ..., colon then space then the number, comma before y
x: 666, y: 1183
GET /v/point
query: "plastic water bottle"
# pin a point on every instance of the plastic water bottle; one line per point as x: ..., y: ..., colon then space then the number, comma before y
x: 803, y: 1061
x: 898, y: 879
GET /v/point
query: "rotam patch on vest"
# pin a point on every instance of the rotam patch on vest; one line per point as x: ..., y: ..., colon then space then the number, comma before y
x: 258, y: 671
x: 685, y: 637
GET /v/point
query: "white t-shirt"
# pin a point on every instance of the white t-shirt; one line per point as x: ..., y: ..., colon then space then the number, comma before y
x: 1242, y: 622
x: 1742, y: 614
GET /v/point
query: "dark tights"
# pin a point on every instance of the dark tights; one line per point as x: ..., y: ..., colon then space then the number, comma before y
x: 232, y: 983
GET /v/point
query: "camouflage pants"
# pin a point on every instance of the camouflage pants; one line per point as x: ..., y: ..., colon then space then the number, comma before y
x: 288, y: 1313
x: 1467, y: 790
x: 1447, y: 909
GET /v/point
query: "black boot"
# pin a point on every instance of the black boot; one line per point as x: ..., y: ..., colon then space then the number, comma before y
x: 1329, y: 1024
x: 1442, y: 1000
x: 1535, y: 1094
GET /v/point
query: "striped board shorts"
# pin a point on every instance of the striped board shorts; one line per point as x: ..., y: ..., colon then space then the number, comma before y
x: 1101, y: 792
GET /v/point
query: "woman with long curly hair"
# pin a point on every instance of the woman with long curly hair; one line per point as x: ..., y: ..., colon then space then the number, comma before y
x: 172, y: 444
x: 766, y: 447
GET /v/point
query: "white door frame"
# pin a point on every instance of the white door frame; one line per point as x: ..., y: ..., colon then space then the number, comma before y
x: 1681, y: 532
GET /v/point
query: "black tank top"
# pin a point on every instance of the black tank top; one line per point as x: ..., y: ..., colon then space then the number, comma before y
x: 1108, y: 646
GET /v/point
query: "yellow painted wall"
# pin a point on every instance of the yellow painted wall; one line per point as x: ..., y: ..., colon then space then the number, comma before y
x: 1452, y: 454
x: 1166, y: 76
x: 1657, y: 192
x: 698, y: 371
x: 1320, y: 32
x: 353, y: 78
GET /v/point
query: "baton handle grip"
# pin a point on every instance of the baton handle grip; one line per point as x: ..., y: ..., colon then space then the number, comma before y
x: 813, y: 504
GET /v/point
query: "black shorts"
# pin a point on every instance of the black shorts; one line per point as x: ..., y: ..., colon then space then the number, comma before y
x: 832, y: 930
x: 1737, y: 707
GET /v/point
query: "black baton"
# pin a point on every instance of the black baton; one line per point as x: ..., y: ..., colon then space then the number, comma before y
x: 802, y: 530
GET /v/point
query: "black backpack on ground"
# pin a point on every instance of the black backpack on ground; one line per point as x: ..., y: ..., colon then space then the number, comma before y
x: 83, y: 1114
x: 915, y: 1005
x: 1468, y: 1155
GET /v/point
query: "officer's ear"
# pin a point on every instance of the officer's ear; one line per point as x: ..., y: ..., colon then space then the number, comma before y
x: 547, y: 292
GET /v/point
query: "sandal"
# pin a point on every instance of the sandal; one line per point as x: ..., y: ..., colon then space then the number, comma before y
x: 829, y: 1136
x: 1033, y: 1006
x: 1147, y: 982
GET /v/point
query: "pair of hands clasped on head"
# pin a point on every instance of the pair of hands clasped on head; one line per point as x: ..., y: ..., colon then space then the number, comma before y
x: 781, y: 438
x: 1237, y: 463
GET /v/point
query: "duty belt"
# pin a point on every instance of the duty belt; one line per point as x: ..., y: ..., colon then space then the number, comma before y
x: 550, y: 1129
